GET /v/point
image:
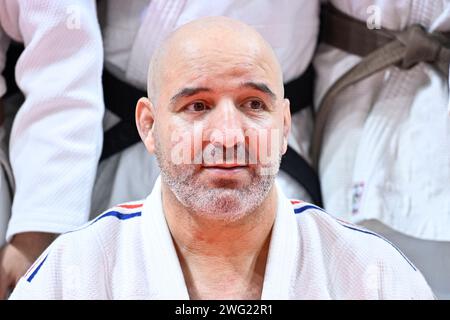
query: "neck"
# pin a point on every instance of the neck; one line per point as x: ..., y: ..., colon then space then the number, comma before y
x: 221, y: 259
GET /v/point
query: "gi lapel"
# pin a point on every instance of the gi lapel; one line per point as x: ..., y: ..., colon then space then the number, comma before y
x: 283, y: 254
x: 165, y: 274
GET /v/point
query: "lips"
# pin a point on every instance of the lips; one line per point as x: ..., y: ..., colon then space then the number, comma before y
x: 226, y: 171
x: 224, y: 166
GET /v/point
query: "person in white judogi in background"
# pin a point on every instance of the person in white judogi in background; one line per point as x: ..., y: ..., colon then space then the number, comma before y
x: 49, y: 149
x: 218, y: 227
x: 385, y: 153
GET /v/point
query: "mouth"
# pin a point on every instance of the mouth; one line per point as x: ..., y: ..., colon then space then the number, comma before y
x: 226, y: 170
x: 225, y: 166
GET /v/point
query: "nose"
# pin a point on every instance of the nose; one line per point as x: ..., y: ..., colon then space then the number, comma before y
x: 226, y: 125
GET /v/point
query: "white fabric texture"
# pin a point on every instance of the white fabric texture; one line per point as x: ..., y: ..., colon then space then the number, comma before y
x: 431, y: 257
x: 133, y: 29
x: 57, y: 134
x: 386, y: 148
x: 128, y: 253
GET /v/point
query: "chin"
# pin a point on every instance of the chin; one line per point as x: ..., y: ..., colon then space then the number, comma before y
x: 222, y: 204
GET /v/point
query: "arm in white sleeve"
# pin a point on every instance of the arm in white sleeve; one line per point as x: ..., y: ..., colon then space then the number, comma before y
x: 57, y: 134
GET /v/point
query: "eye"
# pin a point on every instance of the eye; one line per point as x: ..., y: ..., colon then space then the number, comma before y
x: 197, y: 107
x: 255, y: 105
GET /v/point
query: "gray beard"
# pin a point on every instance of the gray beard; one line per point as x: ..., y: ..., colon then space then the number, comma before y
x: 220, y: 203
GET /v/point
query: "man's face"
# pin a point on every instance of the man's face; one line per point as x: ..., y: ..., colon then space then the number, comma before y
x: 220, y: 129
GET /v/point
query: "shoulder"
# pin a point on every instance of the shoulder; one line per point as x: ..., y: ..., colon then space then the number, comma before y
x: 358, y: 255
x: 123, y: 216
x: 109, y: 228
x: 344, y: 233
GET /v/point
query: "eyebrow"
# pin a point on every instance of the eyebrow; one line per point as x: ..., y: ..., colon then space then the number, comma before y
x: 188, y: 92
x: 260, y: 87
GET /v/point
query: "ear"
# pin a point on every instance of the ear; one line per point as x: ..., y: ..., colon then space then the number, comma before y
x: 145, y: 119
x: 286, y: 123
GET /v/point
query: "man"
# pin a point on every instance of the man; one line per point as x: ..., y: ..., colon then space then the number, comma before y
x: 215, y: 226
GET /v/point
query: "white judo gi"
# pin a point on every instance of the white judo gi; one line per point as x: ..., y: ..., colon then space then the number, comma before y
x: 386, y: 149
x: 128, y: 253
x: 385, y: 159
x: 132, y: 30
x: 56, y: 136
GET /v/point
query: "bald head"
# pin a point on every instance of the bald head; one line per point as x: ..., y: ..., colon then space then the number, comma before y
x: 207, y: 45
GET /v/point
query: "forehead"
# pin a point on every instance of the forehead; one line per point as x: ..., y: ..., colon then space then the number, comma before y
x: 212, y: 66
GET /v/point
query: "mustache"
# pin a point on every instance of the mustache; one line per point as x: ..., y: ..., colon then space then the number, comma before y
x: 238, y: 154
x: 261, y: 148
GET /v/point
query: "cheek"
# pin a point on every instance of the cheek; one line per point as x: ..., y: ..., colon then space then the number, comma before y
x: 184, y: 142
x: 264, y: 141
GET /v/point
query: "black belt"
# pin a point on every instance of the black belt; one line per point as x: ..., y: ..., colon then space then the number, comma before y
x: 121, y: 99
x: 293, y: 164
x: 12, y: 55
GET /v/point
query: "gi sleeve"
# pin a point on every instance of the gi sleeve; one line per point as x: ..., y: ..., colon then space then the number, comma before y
x: 56, y: 137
